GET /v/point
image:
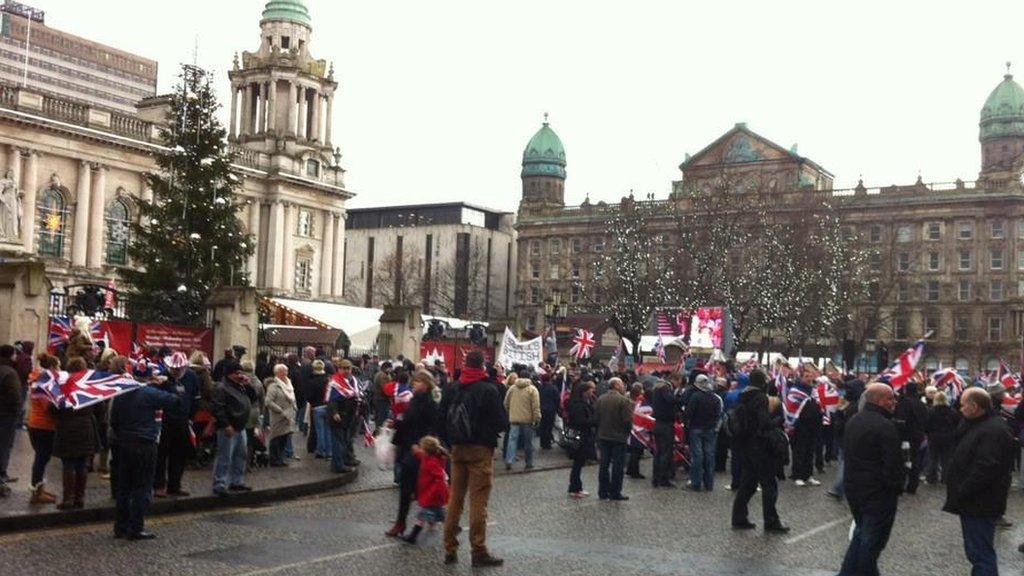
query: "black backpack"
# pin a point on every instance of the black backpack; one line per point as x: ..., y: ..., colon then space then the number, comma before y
x: 733, y: 424
x: 458, y: 423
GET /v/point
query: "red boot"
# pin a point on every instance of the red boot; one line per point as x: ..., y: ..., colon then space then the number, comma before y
x: 396, y: 530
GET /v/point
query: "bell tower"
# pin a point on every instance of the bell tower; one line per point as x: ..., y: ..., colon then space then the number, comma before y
x: 282, y: 99
x: 544, y: 170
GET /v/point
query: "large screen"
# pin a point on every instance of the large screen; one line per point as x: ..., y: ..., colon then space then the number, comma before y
x: 702, y: 327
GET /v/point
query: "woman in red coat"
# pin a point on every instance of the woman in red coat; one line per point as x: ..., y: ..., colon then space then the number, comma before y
x: 431, y: 485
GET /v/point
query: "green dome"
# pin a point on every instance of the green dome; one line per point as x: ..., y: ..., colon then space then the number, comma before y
x: 289, y: 11
x: 1003, y: 112
x: 544, y: 155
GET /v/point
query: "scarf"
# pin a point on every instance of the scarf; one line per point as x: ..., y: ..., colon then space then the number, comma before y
x: 471, y: 374
x: 286, y: 387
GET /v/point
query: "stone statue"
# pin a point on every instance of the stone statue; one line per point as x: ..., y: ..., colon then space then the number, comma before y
x: 10, y: 207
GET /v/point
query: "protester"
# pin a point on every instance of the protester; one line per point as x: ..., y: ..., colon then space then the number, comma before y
x: 941, y: 428
x: 978, y: 481
x: 702, y: 415
x: 806, y: 434
x: 758, y: 459
x: 232, y: 404
x: 355, y: 422
x: 848, y: 406
x: 281, y: 405
x: 473, y: 417
x: 614, y: 422
x: 11, y: 401
x: 316, y: 391
x: 550, y: 398
x: 664, y: 410
x: 874, y: 475
x: 175, y: 442
x: 218, y: 368
x: 431, y: 485
x: 912, y: 417
x: 522, y: 402
x: 642, y: 407
x: 41, y: 425
x: 381, y: 403
x: 581, y: 419
x: 134, y: 420
x: 419, y: 419
x: 342, y: 409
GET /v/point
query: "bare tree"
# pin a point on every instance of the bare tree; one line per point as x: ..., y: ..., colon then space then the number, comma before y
x: 465, y: 298
x: 398, y: 281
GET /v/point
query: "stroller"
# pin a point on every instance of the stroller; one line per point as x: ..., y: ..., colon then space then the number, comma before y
x: 259, y: 453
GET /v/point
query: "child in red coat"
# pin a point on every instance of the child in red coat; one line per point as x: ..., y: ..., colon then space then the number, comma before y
x: 431, y: 485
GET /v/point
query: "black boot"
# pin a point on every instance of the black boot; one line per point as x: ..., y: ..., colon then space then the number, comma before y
x: 411, y: 538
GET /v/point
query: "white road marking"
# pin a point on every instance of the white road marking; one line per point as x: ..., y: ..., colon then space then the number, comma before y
x: 339, y: 556
x: 819, y: 529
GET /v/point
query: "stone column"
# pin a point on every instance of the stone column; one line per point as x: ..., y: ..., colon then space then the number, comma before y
x: 339, y: 256
x: 275, y: 245
x: 327, y: 123
x: 254, y: 232
x: 316, y: 100
x: 327, y: 254
x: 243, y: 117
x: 262, y: 118
x: 97, y: 220
x: 292, y: 108
x: 81, y: 233
x: 234, y: 112
x: 288, y: 262
x: 272, y: 106
x: 28, y: 202
x: 302, y: 133
x: 145, y: 195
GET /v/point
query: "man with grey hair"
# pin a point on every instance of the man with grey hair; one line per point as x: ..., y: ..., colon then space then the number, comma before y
x: 702, y: 414
x: 614, y: 423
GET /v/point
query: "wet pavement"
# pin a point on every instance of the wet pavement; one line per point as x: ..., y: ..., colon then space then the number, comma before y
x: 533, y: 525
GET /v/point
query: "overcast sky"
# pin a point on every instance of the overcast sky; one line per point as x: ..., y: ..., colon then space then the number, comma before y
x: 438, y: 99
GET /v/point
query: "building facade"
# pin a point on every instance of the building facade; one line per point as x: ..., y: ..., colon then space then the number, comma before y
x: 455, y: 260
x: 73, y: 172
x: 946, y: 258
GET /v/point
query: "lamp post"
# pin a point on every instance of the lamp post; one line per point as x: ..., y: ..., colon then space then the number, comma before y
x: 555, y: 312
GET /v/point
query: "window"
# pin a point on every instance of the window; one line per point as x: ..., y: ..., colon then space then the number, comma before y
x: 995, y: 291
x: 961, y: 327
x: 933, y: 231
x: 534, y: 247
x: 535, y: 270
x: 964, y: 291
x: 575, y: 245
x: 876, y: 234
x: 1020, y: 287
x: 303, y: 274
x: 599, y: 245
x: 555, y: 246
x: 52, y: 219
x: 932, y: 291
x: 575, y: 295
x: 996, y: 230
x: 995, y: 261
x: 965, y: 260
x: 286, y: 42
x: 553, y: 271
x: 903, y: 261
x: 964, y: 230
x: 1020, y: 229
x: 904, y: 233
x: 933, y: 261
x: 962, y: 364
x: 848, y: 233
x: 899, y: 329
x: 1020, y: 259
x: 313, y: 168
x: 473, y: 217
x: 305, y: 223
x: 875, y: 261
x: 931, y: 324
x: 534, y: 295
x: 995, y: 329
x: 902, y: 292
x: 117, y: 233
x: 575, y: 270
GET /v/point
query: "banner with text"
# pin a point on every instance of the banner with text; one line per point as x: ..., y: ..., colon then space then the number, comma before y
x: 183, y: 338
x: 529, y: 353
x: 451, y: 353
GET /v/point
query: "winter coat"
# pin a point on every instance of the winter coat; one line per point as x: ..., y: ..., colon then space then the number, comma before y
x: 432, y: 481
x: 911, y: 418
x: 755, y: 425
x: 486, y: 410
x: 582, y: 417
x: 614, y: 417
x: 316, y: 387
x: 550, y: 398
x: 133, y: 415
x: 76, y: 434
x: 663, y: 403
x: 872, y: 461
x: 522, y: 402
x: 23, y: 363
x: 418, y: 421
x: 231, y: 406
x: 980, y: 469
x: 186, y: 390
x: 10, y: 392
x: 941, y: 426
x: 280, y: 402
x: 703, y: 411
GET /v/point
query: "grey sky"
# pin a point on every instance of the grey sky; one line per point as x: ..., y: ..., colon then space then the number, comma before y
x: 437, y: 99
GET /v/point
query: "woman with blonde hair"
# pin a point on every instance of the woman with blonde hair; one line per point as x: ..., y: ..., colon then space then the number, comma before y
x: 415, y: 423
x: 280, y: 403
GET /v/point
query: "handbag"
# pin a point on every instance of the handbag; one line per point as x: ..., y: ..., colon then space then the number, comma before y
x: 571, y: 439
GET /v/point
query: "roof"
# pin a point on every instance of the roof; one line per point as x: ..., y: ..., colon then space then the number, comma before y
x: 544, y: 154
x: 1003, y: 112
x: 422, y: 206
x: 289, y: 11
x: 742, y: 127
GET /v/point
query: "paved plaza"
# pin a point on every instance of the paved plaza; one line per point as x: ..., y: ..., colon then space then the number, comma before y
x: 533, y: 525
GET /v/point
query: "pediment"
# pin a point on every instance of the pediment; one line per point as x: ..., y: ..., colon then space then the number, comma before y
x: 739, y: 146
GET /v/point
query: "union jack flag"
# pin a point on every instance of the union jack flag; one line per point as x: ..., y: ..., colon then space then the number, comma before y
x: 642, y: 431
x: 87, y: 387
x: 900, y: 372
x: 793, y: 402
x: 1009, y: 404
x: 368, y: 439
x: 48, y: 384
x: 947, y: 379
x: 400, y: 399
x: 827, y: 396
x: 61, y: 327
x: 1008, y: 379
x: 582, y: 343
x: 338, y: 387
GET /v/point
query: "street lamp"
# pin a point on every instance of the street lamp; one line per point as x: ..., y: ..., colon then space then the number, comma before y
x: 554, y: 309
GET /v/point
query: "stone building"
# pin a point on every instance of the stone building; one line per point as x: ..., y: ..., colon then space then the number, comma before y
x: 73, y: 170
x: 455, y: 259
x: 945, y: 257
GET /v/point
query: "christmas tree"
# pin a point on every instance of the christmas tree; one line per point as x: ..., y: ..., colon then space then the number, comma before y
x: 189, y: 239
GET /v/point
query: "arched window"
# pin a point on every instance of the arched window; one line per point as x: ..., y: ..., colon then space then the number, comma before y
x: 52, y: 223
x: 117, y: 233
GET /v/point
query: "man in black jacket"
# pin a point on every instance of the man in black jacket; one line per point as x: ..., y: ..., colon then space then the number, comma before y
x: 979, y: 477
x: 10, y: 409
x: 663, y: 410
x: 874, y: 474
x: 757, y: 461
x: 232, y: 403
x: 702, y: 415
x: 911, y: 416
x: 473, y: 414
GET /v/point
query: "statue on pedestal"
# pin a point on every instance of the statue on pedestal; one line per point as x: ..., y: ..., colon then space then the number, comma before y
x: 10, y: 207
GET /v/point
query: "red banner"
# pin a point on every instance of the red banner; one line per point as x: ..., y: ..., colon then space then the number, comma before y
x: 118, y: 335
x: 453, y: 355
x: 178, y: 338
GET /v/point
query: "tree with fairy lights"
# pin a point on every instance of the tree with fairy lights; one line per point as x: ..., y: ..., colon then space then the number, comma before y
x: 189, y: 240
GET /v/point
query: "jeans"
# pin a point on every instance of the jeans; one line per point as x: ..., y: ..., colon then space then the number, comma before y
x: 232, y: 456
x: 8, y: 426
x: 979, y: 535
x: 42, y: 445
x: 702, y: 458
x: 613, y: 454
x: 870, y: 536
x: 339, y: 444
x: 472, y: 473
x: 277, y: 449
x: 633, y: 453
x: 171, y: 453
x: 664, y: 440
x: 579, y: 458
x: 754, y: 473
x: 300, y: 414
x: 323, y: 431
x: 136, y: 464
x: 939, y: 454
x: 515, y: 431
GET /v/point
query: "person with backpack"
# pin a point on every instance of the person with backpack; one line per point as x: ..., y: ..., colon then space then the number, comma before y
x: 701, y: 417
x: 473, y: 415
x: 755, y: 435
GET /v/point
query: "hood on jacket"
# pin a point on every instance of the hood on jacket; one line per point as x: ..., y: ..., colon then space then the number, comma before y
x: 523, y: 382
x: 702, y: 382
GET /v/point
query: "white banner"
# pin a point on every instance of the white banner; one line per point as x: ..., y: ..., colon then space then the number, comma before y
x: 513, y: 351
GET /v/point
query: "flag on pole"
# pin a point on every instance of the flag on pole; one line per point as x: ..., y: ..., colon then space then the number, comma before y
x: 827, y: 396
x: 108, y: 296
x: 948, y: 380
x: 1008, y: 379
x: 900, y: 372
x: 793, y: 401
x: 582, y: 343
x: 338, y: 387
